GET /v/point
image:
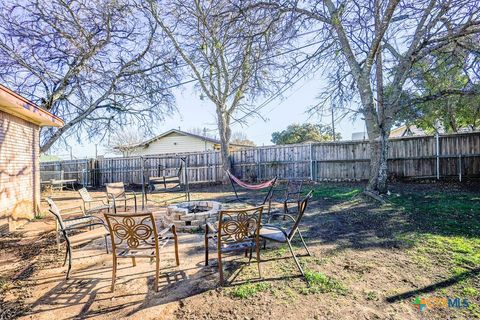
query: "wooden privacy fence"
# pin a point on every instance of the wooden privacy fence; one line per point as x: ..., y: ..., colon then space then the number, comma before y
x: 410, y: 157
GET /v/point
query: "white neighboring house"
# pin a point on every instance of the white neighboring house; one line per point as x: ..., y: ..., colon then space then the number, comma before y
x: 175, y: 141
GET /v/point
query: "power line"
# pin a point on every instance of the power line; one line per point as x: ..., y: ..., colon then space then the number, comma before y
x: 260, y: 60
x: 284, y: 88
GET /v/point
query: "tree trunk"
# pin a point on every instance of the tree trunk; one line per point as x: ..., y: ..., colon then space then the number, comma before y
x: 54, y: 137
x: 377, y: 183
x: 223, y: 120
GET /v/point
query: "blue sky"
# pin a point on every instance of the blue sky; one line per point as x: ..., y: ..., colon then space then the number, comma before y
x: 194, y: 113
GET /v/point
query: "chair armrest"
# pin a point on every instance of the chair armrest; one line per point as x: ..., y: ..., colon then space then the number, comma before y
x: 96, y: 200
x: 130, y: 192
x: 275, y: 227
x: 83, y: 226
x: 69, y: 209
x: 281, y: 215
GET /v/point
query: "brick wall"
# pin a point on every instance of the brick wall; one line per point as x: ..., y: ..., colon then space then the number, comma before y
x: 19, y: 170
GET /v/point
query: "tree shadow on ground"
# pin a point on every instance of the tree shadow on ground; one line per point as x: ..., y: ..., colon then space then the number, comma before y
x: 436, y: 286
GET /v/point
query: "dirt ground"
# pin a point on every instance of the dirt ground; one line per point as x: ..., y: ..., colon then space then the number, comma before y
x: 359, y: 269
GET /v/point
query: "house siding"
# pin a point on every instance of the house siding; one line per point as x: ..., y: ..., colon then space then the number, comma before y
x: 175, y: 143
x: 19, y: 170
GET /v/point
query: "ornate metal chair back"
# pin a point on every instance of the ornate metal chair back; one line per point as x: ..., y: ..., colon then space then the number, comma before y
x: 132, y: 231
x: 236, y: 226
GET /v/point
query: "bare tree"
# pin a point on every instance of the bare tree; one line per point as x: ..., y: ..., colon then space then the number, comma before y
x: 226, y: 53
x: 99, y: 65
x: 372, y: 46
x: 125, y: 142
x: 203, y: 132
x: 239, y: 137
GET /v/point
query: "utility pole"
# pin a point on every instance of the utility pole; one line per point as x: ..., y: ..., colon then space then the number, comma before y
x: 333, y: 123
x: 205, y: 137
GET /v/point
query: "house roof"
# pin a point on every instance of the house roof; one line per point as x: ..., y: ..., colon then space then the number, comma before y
x: 404, y: 131
x: 15, y: 104
x: 146, y: 143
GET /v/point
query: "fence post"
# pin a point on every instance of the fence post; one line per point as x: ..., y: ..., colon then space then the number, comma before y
x: 311, y: 161
x: 111, y: 170
x: 142, y: 178
x: 460, y: 167
x: 259, y: 163
x: 437, y: 150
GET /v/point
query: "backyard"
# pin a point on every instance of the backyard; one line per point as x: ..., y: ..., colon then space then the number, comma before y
x: 369, y: 261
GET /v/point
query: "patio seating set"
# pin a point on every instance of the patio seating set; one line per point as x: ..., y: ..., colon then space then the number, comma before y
x: 137, y: 234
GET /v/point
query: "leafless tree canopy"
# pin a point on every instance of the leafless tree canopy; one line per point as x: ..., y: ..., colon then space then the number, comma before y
x: 369, y: 48
x: 228, y: 52
x: 99, y: 65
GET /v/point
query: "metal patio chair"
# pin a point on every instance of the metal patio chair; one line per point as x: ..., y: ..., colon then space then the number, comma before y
x: 285, y: 234
x: 91, y: 205
x: 236, y: 230
x: 116, y: 193
x: 71, y: 215
x: 288, y: 196
x: 78, y: 225
x: 134, y: 235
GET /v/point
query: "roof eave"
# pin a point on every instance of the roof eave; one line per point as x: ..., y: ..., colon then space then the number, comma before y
x: 14, y: 104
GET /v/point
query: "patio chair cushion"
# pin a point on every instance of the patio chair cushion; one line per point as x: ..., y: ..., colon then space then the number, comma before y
x: 274, y: 233
x: 237, y: 246
x: 87, y: 236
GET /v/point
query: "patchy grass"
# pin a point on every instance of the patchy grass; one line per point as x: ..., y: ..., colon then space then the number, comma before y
x: 470, y: 292
x: 444, y: 230
x: 443, y: 225
x: 371, y: 295
x: 319, y: 282
x: 335, y: 192
x: 442, y: 213
x: 249, y: 290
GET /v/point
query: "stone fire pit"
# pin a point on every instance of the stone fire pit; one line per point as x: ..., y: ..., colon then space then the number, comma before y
x: 192, y: 215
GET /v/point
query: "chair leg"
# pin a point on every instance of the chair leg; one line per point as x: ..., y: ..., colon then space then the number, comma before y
x: 206, y: 250
x: 303, y: 241
x: 134, y: 263
x: 58, y: 241
x: 157, y: 272
x: 220, y: 268
x: 295, y: 257
x: 65, y: 258
x: 69, y: 262
x: 250, y: 256
x: 106, y: 243
x: 175, y: 243
x: 264, y: 244
x: 125, y: 206
x: 114, y: 272
x: 257, y: 249
x: 135, y: 200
